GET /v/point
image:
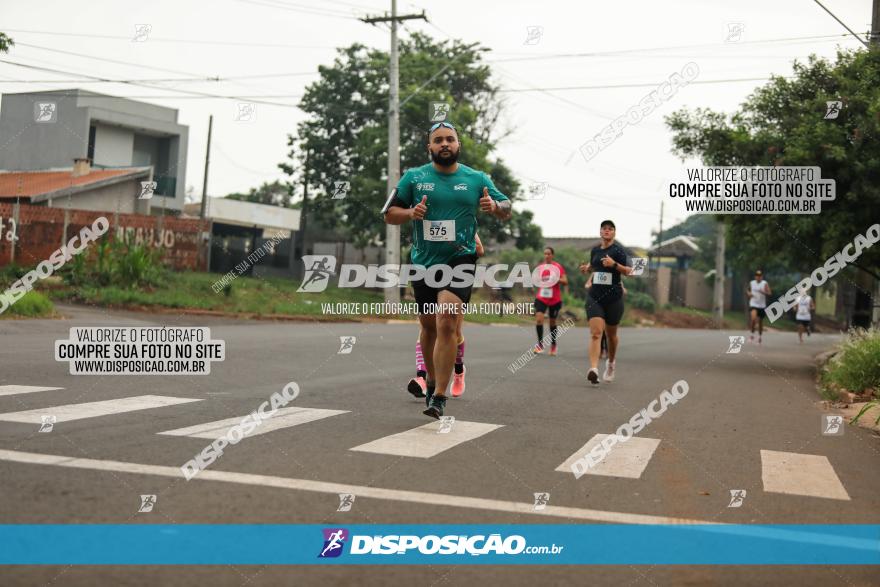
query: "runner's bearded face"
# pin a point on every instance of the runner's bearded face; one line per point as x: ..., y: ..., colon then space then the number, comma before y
x: 548, y: 256
x: 444, y: 147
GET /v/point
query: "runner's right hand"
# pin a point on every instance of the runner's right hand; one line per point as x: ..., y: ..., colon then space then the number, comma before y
x: 418, y: 213
x: 584, y: 268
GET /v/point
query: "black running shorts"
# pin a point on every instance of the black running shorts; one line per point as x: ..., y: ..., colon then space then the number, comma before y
x: 611, y: 311
x: 426, y: 294
x: 762, y: 313
x: 552, y: 311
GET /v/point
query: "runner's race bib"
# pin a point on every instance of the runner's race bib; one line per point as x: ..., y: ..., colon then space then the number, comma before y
x: 439, y: 230
x: 546, y: 292
x: 602, y: 278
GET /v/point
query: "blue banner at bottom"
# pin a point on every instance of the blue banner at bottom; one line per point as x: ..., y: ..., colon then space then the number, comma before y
x: 504, y: 544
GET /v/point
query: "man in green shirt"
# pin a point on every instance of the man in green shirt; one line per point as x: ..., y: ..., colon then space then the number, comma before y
x: 441, y: 199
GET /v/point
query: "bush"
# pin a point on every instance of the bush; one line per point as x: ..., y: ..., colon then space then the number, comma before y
x: 32, y: 304
x: 641, y: 301
x: 856, y: 367
x: 113, y: 262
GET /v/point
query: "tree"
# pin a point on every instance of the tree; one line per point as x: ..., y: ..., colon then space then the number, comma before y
x: 5, y: 43
x: 276, y: 193
x: 345, y: 137
x: 782, y: 123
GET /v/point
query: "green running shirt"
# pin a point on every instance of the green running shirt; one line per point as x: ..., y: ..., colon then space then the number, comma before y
x: 453, y: 204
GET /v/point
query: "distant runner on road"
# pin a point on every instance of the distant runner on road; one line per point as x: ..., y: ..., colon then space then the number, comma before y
x: 805, y: 308
x: 441, y: 199
x: 605, y: 299
x: 758, y: 291
x: 548, y: 298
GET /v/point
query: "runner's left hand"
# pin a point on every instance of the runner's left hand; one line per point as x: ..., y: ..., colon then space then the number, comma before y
x: 487, y: 204
x: 607, y: 261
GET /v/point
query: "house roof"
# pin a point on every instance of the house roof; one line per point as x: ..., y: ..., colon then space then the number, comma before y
x: 679, y: 246
x: 41, y: 185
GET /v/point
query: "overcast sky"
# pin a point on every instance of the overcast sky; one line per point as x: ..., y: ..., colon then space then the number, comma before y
x: 647, y: 41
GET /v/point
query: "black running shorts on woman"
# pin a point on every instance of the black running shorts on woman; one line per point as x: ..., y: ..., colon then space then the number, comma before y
x: 610, y: 312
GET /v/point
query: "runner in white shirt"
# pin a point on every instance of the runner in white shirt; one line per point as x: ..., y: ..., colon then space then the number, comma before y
x: 757, y: 292
x: 805, y: 308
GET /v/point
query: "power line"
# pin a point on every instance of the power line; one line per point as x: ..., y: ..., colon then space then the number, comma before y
x: 258, y: 100
x: 655, y: 49
x: 638, y: 85
x: 171, y: 40
x: 299, y: 8
x: 862, y: 41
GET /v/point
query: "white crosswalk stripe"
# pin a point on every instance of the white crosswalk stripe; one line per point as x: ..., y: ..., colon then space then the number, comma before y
x: 283, y: 418
x: 71, y: 412
x: 800, y: 474
x: 426, y: 441
x: 625, y: 459
x: 17, y: 389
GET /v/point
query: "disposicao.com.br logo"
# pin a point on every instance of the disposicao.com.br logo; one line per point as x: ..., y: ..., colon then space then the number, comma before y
x: 319, y: 269
x: 452, y: 544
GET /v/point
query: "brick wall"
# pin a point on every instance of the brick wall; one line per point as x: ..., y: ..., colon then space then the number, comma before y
x: 41, y: 230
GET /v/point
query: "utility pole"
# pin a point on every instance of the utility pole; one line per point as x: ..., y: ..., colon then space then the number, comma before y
x: 660, y: 235
x: 304, y: 211
x: 392, y: 232
x: 874, y: 40
x: 207, y: 161
x: 719, y: 274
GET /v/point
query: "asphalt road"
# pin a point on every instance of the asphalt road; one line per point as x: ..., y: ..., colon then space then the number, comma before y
x: 704, y: 446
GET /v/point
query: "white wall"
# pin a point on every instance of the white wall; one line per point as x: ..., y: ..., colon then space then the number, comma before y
x: 113, y: 145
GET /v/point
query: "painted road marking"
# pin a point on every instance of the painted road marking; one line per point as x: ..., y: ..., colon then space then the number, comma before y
x: 425, y: 441
x: 799, y: 474
x: 71, y: 412
x: 283, y: 418
x: 627, y: 459
x: 361, y: 491
x: 16, y: 389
